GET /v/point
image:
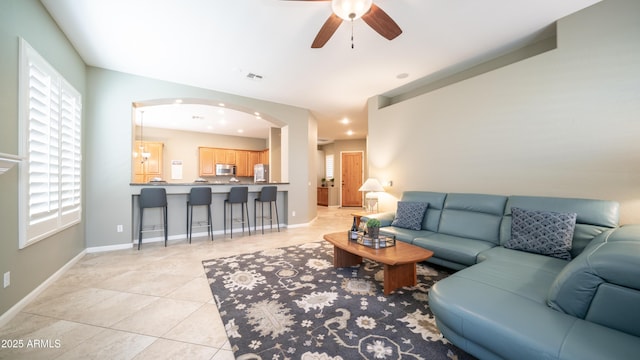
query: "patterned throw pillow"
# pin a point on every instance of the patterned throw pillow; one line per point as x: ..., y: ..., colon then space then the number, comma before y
x: 542, y: 232
x: 410, y: 215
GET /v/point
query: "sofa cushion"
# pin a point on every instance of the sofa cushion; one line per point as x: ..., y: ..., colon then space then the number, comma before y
x: 488, y: 308
x: 542, y: 232
x: 594, y: 216
x: 454, y: 249
x: 410, y: 215
x: 402, y: 234
x: 434, y: 210
x: 473, y: 216
x: 603, y: 282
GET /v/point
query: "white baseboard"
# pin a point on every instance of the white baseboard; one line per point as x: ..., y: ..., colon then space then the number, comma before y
x: 15, y: 309
x: 97, y: 249
x: 302, y: 225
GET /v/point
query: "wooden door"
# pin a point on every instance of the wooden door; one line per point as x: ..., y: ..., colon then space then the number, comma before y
x: 351, y: 179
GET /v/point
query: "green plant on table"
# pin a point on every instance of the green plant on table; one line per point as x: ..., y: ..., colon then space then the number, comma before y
x: 373, y: 223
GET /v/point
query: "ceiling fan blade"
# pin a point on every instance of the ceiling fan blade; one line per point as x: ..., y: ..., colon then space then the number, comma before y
x: 382, y: 23
x: 326, y: 31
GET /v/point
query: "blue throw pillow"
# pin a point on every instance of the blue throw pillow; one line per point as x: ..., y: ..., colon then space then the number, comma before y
x: 410, y: 215
x: 542, y: 232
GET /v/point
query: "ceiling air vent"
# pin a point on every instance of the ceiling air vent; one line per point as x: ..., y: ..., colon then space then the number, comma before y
x: 252, y: 76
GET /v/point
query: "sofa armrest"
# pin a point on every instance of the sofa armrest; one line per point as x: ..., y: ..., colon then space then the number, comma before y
x: 385, y: 218
x: 602, y: 284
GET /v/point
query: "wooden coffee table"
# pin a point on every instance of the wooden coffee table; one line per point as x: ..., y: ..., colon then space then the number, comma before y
x: 399, y: 260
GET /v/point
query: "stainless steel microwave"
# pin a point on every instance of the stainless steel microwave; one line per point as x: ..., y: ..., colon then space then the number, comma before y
x: 225, y: 169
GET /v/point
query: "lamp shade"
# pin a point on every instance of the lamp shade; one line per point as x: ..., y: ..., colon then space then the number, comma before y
x: 371, y: 185
x: 351, y: 9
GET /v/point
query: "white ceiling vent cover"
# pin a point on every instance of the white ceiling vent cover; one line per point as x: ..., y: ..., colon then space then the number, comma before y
x: 252, y: 76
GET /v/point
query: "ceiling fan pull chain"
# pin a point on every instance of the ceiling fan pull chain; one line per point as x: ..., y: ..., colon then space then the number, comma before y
x: 352, y: 33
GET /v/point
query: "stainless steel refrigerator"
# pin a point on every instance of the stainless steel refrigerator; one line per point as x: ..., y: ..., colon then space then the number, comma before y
x: 261, y: 173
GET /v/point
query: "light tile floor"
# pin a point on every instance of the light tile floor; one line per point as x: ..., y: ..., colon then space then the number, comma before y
x: 149, y: 304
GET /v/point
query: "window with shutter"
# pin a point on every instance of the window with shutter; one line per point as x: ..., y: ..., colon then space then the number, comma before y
x: 328, y: 167
x: 50, y: 132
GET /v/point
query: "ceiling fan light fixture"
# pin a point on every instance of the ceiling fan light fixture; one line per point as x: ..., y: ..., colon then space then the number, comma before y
x: 351, y: 9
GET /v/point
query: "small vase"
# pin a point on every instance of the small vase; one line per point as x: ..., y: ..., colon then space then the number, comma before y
x: 374, y: 232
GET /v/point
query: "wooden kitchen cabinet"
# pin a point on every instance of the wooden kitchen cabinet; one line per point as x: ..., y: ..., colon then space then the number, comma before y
x: 225, y: 156
x: 264, y: 157
x: 254, y: 158
x: 146, y: 169
x: 244, y: 160
x: 323, y: 196
x: 242, y: 163
x: 207, y: 159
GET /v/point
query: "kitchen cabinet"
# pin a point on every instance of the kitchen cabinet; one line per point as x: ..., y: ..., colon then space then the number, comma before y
x: 244, y: 160
x: 146, y: 169
x: 207, y: 159
x: 254, y: 158
x: 323, y: 196
x: 225, y: 156
x: 242, y: 163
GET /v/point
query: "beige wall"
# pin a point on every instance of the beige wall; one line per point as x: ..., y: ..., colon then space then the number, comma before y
x: 563, y: 123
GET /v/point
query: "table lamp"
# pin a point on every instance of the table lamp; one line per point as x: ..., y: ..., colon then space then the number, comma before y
x: 372, y: 187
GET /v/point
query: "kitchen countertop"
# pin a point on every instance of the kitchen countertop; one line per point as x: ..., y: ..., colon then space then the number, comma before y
x: 216, y: 187
x: 164, y: 183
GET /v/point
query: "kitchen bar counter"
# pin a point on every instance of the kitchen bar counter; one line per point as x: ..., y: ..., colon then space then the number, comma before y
x: 216, y: 187
x: 177, y: 199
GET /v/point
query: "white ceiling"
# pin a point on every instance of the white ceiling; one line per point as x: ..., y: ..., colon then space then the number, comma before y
x: 215, y: 44
x: 204, y: 118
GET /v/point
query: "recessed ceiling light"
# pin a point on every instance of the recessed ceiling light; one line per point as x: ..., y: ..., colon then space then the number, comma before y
x: 221, y: 104
x: 240, y: 130
x: 345, y: 121
x: 178, y: 101
x: 257, y: 113
x: 349, y: 132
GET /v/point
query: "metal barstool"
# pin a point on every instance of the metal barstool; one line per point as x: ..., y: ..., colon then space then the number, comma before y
x: 237, y: 195
x: 153, y: 198
x: 199, y: 196
x: 267, y: 194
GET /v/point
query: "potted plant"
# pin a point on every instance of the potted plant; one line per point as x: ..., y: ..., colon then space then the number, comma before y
x: 373, y: 228
x: 333, y: 180
x: 323, y: 181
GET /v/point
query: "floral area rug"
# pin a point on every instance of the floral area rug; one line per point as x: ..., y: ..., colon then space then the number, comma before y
x: 291, y: 303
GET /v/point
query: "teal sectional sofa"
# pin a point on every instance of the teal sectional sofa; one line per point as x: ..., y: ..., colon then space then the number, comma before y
x: 505, y: 303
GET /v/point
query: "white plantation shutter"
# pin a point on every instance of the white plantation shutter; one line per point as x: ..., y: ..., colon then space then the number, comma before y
x: 328, y: 171
x: 51, y: 144
x: 70, y: 153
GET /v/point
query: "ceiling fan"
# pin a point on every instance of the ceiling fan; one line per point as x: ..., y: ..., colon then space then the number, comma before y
x: 352, y: 10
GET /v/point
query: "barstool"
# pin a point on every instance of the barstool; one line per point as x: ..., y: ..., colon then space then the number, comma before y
x: 237, y: 195
x: 153, y: 198
x: 199, y: 196
x: 267, y: 194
